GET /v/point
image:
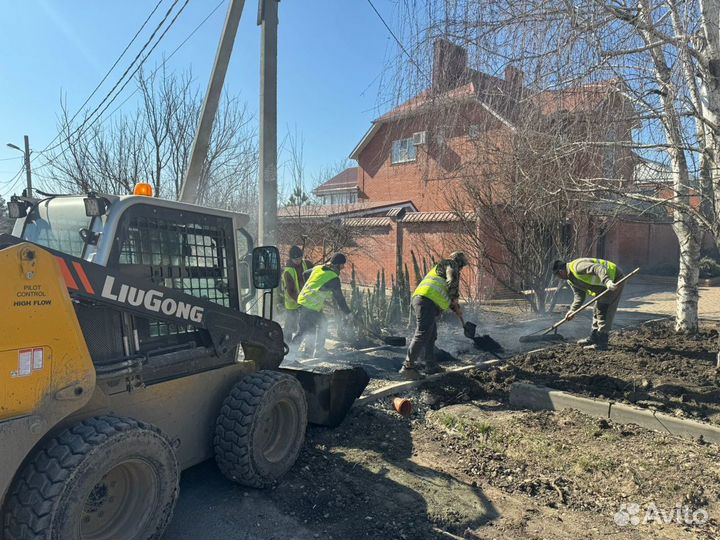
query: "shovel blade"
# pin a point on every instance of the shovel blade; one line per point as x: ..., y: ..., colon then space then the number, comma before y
x: 469, y: 329
x: 543, y: 337
x: 486, y: 343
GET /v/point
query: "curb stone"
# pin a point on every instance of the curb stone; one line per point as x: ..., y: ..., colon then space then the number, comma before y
x: 530, y: 396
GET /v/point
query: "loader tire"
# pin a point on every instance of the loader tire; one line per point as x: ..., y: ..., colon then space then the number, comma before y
x: 261, y: 428
x: 104, y: 477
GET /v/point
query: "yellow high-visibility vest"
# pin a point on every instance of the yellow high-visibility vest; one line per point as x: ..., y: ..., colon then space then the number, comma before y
x: 290, y: 302
x: 592, y: 279
x: 312, y: 296
x: 435, y: 288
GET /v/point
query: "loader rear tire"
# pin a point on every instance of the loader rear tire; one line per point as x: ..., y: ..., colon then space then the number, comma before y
x: 261, y: 428
x: 104, y: 477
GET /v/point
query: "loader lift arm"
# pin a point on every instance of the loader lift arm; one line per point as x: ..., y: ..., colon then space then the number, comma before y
x: 261, y: 339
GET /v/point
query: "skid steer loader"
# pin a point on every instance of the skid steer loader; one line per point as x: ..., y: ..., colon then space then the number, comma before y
x: 126, y: 356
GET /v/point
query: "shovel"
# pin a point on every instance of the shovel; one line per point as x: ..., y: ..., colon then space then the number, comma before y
x: 542, y: 335
x: 483, y: 343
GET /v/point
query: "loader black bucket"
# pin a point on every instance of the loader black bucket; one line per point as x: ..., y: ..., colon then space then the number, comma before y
x: 330, y: 392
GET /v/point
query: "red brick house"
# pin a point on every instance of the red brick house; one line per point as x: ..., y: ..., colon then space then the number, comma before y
x: 405, y: 192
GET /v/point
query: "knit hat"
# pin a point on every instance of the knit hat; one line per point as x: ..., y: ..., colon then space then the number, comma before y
x: 338, y: 259
x: 557, y: 266
x: 296, y: 252
x: 460, y: 258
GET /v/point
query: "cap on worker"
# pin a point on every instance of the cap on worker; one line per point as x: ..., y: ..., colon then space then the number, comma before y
x: 296, y: 252
x: 557, y: 266
x: 338, y: 259
x: 460, y: 258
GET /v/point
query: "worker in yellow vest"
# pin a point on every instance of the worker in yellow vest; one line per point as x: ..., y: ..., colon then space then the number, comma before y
x: 322, y: 285
x: 587, y: 276
x: 293, y: 280
x: 437, y: 292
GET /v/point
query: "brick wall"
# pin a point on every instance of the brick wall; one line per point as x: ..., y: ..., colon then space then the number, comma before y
x: 631, y: 244
x: 434, y: 177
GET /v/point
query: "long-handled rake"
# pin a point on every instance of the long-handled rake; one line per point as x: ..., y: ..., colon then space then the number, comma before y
x: 545, y: 335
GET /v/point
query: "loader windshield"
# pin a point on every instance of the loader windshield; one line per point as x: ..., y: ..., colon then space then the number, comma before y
x: 56, y: 222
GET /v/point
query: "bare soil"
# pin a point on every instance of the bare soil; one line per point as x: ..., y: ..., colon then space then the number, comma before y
x: 467, y: 466
x: 649, y: 366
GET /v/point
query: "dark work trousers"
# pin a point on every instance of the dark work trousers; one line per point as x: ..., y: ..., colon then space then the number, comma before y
x: 426, y: 315
x: 605, y: 310
x: 312, y: 328
x: 290, y: 328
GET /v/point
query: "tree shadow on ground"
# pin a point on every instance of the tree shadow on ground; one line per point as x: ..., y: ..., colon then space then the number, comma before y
x: 365, y: 479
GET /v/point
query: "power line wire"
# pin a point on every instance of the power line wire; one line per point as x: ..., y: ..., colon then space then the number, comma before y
x: 101, y: 119
x: 122, y: 77
x: 402, y: 47
x: 14, y: 180
x: 117, y: 61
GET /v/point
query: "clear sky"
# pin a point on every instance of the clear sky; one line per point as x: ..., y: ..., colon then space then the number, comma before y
x: 331, y: 54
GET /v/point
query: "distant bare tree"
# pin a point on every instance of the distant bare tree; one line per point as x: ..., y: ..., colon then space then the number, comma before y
x: 514, y: 212
x: 664, y: 57
x: 6, y: 224
x: 303, y: 222
x: 153, y: 144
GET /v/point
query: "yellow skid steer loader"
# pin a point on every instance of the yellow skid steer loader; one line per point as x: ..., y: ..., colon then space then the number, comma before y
x: 126, y: 356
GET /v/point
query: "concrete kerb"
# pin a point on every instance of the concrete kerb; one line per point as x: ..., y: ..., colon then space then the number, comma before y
x: 530, y: 396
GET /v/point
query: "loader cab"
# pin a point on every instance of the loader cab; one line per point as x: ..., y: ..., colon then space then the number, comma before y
x: 200, y: 251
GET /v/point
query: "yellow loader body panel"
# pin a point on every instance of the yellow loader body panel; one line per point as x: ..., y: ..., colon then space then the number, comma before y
x: 42, y: 348
x: 46, y: 372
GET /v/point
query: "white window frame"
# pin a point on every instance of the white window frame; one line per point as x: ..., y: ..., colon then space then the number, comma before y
x: 403, y: 151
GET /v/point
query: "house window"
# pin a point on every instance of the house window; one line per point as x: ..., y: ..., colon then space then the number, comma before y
x: 610, y: 156
x: 403, y: 150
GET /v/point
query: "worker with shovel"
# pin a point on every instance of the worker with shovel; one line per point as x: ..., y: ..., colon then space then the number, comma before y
x: 321, y: 286
x: 437, y: 292
x: 592, y: 277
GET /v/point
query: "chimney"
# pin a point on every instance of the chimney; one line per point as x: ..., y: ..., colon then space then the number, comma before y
x: 514, y: 76
x: 449, y: 65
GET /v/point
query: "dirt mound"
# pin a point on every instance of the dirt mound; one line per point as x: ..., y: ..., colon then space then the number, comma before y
x: 650, y: 366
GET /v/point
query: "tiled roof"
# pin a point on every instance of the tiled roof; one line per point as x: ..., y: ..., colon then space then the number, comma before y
x: 585, y: 98
x: 346, y: 180
x: 330, y: 210
x: 368, y: 222
x: 430, y: 217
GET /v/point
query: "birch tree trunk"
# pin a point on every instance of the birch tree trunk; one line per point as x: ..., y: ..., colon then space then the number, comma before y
x: 709, y: 76
x: 685, y: 225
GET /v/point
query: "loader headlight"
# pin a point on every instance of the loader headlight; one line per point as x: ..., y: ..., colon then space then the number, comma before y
x: 95, y: 206
x: 17, y: 209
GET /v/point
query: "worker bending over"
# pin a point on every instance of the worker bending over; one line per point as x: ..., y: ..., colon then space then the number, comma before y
x: 437, y: 292
x: 591, y: 277
x: 322, y: 285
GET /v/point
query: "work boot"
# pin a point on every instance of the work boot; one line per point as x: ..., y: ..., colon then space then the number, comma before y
x: 591, y: 340
x: 601, y: 343
x: 431, y: 368
x: 409, y: 373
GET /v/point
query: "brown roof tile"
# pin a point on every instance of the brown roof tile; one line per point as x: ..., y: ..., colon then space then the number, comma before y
x: 368, y: 222
x: 430, y: 217
x: 345, y: 180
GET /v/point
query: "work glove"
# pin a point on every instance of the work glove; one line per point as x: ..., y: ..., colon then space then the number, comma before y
x: 610, y: 285
x: 570, y: 316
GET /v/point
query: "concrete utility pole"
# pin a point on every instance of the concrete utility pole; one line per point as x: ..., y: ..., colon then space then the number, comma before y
x: 268, y: 19
x: 28, y: 174
x: 191, y: 183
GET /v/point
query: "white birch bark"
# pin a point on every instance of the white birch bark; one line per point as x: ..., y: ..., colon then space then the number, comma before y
x: 684, y: 224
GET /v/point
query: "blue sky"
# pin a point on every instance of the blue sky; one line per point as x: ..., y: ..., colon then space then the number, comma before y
x: 331, y: 56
